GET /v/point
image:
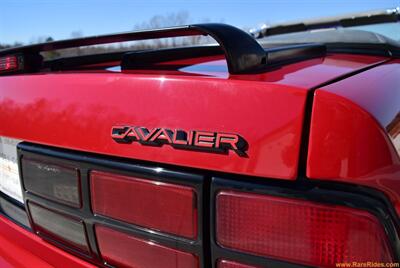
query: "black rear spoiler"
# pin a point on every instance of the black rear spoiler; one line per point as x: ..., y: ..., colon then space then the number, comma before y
x: 242, y: 52
x: 349, y: 20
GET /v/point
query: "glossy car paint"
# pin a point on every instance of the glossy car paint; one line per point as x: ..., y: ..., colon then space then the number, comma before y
x: 78, y: 110
x: 355, y: 131
x: 22, y: 248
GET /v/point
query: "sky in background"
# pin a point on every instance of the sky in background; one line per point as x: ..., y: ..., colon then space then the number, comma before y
x: 28, y: 20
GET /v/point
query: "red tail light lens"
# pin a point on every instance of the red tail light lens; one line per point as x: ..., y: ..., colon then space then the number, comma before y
x: 298, y: 230
x: 9, y: 63
x: 232, y: 264
x: 123, y: 250
x: 162, y: 206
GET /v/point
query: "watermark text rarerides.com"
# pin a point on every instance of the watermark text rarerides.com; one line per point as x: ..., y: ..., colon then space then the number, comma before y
x: 368, y: 264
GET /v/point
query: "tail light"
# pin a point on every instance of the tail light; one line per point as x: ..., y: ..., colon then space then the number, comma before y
x: 298, y: 231
x: 123, y: 250
x: 146, y: 218
x: 59, y: 227
x: 10, y: 63
x: 19, y: 62
x: 52, y: 181
x: 232, y: 264
x: 161, y: 206
x: 122, y: 214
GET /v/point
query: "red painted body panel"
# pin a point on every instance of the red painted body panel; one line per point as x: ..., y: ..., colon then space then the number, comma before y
x: 20, y: 248
x: 355, y: 131
x: 77, y: 111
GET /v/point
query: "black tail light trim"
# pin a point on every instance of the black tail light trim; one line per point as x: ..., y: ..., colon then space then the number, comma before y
x: 206, y: 184
x: 85, y: 164
x: 14, y: 211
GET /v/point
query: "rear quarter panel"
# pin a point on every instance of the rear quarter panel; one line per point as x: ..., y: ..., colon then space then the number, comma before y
x: 355, y: 131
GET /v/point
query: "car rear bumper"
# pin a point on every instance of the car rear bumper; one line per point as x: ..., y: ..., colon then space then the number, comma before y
x: 21, y: 248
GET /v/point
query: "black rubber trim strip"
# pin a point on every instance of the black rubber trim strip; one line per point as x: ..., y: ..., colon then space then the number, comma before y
x: 148, y: 60
x: 73, y: 63
x: 385, y: 50
x: 294, y: 53
x: 19, y: 216
x: 365, y: 49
